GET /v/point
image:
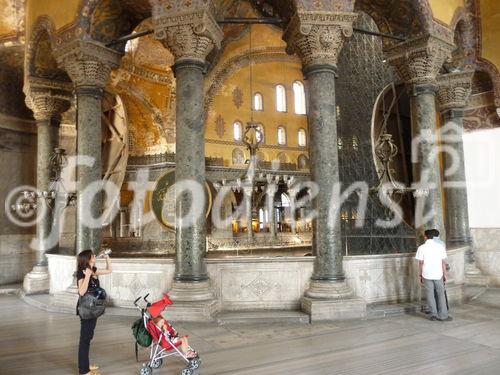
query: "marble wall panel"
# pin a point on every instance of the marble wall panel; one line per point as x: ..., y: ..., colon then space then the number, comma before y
x: 487, y: 252
x: 16, y: 258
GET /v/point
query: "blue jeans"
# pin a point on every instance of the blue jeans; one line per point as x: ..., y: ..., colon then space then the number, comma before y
x: 436, y: 299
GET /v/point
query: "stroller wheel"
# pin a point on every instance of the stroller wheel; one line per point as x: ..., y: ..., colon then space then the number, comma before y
x: 146, y: 370
x: 187, y: 371
x: 194, y: 363
x: 156, y: 363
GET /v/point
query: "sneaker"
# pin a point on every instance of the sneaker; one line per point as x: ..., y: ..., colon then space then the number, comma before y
x: 433, y: 318
x: 447, y: 319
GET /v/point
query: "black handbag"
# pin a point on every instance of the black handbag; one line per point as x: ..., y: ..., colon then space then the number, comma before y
x: 92, y: 304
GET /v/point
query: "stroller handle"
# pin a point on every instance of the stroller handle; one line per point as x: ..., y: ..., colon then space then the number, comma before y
x: 135, y: 302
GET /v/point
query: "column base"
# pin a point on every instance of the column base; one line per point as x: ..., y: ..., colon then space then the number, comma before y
x: 474, y: 276
x: 327, y: 300
x: 193, y: 302
x: 455, y: 293
x: 37, y: 280
x: 67, y: 298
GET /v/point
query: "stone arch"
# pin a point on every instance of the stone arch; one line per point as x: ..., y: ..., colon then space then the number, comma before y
x: 106, y: 20
x: 466, y: 22
x: 238, y: 157
x: 404, y: 18
x: 302, y: 162
x: 220, y: 74
x: 39, y: 58
x: 131, y: 91
x: 282, y: 157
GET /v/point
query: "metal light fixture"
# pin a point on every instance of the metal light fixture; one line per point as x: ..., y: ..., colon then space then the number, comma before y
x: 26, y: 204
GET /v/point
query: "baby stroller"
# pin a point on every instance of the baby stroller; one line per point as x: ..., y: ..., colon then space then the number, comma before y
x: 163, y: 343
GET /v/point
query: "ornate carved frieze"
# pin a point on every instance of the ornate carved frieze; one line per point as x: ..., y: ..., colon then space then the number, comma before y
x: 318, y: 37
x: 454, y: 89
x: 419, y: 60
x: 47, y: 98
x: 189, y: 34
x: 88, y: 63
x: 148, y: 74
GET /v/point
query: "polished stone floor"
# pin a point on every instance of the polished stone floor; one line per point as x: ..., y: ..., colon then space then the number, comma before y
x: 33, y: 341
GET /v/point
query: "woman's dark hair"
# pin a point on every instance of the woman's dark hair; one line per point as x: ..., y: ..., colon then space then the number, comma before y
x: 83, y: 259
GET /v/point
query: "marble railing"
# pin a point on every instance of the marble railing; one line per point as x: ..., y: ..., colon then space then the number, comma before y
x: 264, y: 282
x: 168, y: 157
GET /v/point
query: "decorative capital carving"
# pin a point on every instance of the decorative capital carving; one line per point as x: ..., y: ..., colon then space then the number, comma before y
x: 189, y: 34
x: 454, y: 89
x: 47, y: 99
x: 317, y: 37
x: 419, y: 60
x: 88, y: 63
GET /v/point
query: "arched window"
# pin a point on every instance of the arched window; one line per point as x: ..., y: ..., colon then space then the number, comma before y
x: 237, y: 131
x: 260, y: 134
x: 262, y: 218
x: 285, y: 201
x: 281, y: 135
x: 302, y: 138
x: 258, y: 102
x: 238, y: 156
x: 280, y: 98
x: 299, y: 97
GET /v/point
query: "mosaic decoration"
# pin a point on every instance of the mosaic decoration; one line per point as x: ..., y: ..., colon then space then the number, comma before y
x: 361, y: 61
x: 162, y: 201
x: 237, y: 97
x: 220, y: 126
x: 481, y: 118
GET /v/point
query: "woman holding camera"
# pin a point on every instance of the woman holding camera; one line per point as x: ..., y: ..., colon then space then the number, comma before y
x: 87, y: 281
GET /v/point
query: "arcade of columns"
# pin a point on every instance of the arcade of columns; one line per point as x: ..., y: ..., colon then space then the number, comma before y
x: 317, y: 38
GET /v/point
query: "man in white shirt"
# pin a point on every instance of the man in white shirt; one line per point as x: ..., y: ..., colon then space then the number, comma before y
x: 432, y: 272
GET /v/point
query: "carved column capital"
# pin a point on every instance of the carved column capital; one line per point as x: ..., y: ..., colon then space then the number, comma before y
x: 419, y: 60
x: 188, y: 34
x: 454, y: 90
x: 48, y: 99
x: 88, y: 63
x: 317, y: 37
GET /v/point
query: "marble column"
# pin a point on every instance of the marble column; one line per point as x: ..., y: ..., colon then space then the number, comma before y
x: 453, y: 92
x: 190, y: 36
x: 88, y: 64
x: 48, y: 100
x: 318, y: 38
x: 271, y: 192
x: 248, y: 193
x: 418, y: 62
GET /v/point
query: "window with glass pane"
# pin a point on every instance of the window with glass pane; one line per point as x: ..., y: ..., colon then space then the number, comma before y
x: 281, y: 135
x: 237, y: 131
x: 280, y: 98
x: 258, y: 103
x: 299, y: 96
x: 302, y: 138
x: 260, y: 133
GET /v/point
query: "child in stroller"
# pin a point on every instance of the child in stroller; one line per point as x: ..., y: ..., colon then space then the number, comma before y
x: 165, y: 338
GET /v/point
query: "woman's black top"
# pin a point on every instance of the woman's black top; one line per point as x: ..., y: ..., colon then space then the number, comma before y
x: 93, y: 282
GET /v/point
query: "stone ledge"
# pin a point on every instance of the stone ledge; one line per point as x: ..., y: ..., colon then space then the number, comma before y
x: 200, y: 311
x: 259, y: 316
x: 328, y: 310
